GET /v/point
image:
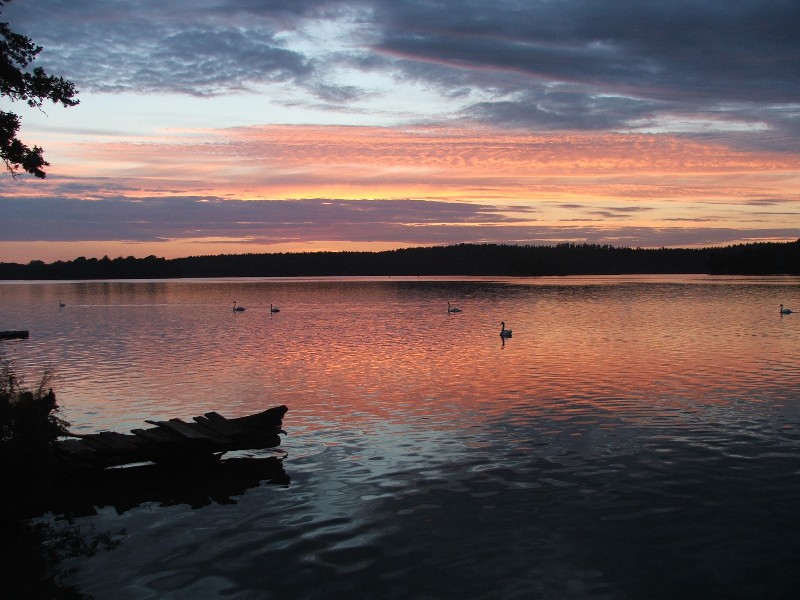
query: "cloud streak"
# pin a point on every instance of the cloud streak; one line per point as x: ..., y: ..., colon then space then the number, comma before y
x: 264, y: 222
x: 274, y: 223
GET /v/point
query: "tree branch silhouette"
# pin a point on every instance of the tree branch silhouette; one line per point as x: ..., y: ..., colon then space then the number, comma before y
x: 33, y: 86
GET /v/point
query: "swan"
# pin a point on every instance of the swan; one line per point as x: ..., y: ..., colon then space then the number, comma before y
x: 453, y: 309
x: 506, y: 333
x: 274, y: 309
x: 786, y: 311
x: 237, y: 308
x: 61, y: 304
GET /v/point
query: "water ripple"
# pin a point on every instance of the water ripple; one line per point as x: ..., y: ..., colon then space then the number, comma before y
x: 634, y: 439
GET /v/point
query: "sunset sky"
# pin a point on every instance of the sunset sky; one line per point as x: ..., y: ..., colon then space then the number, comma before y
x: 232, y: 126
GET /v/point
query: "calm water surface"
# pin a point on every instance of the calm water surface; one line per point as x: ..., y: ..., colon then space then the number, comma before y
x: 636, y: 438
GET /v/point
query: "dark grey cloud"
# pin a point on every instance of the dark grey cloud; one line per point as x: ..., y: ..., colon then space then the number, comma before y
x: 265, y: 223
x: 195, y: 47
x: 668, y: 49
x: 556, y: 109
x: 537, y: 64
x: 268, y: 221
x: 770, y: 201
x: 616, y: 212
x: 597, y: 64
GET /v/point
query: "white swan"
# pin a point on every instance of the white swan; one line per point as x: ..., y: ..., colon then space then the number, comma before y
x: 786, y: 311
x: 237, y: 308
x: 453, y: 309
x: 274, y: 309
x: 506, y: 333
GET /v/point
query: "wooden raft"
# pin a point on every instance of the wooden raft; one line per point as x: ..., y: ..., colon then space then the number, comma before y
x: 175, y: 442
x: 14, y: 334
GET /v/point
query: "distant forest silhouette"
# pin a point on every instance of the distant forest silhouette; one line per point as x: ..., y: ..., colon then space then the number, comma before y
x: 462, y: 259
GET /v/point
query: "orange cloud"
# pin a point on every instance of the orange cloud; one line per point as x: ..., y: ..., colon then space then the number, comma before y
x: 543, y: 182
x: 374, y: 162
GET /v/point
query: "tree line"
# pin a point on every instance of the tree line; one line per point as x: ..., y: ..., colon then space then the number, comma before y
x: 462, y: 259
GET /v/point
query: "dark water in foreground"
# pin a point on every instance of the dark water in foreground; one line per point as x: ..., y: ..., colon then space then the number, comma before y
x: 635, y: 438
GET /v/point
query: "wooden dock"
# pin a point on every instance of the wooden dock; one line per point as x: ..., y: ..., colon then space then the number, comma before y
x: 14, y: 334
x: 175, y: 442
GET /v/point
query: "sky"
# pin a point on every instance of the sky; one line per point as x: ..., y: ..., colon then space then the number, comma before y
x: 249, y: 126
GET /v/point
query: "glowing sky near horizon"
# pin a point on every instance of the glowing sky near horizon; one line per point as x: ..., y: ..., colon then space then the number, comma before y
x: 228, y: 126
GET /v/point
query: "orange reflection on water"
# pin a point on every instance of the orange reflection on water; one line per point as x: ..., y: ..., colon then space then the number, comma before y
x: 359, y: 353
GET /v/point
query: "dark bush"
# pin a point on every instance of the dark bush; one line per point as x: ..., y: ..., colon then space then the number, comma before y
x: 29, y: 424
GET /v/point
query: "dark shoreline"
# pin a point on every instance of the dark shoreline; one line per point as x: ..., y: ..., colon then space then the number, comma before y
x: 766, y: 258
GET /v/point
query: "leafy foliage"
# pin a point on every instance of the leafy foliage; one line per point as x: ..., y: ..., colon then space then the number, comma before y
x: 29, y: 424
x: 17, y: 82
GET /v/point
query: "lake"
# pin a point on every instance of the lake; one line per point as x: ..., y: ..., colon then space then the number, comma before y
x: 636, y: 437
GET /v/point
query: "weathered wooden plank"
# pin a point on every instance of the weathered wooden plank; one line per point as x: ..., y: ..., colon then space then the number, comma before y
x: 219, y: 428
x: 97, y: 442
x: 215, y: 416
x: 74, y: 447
x: 269, y: 418
x: 157, y: 434
x: 229, y: 431
x: 219, y: 423
x: 175, y: 441
x: 119, y: 441
x: 184, y: 429
x: 212, y: 433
